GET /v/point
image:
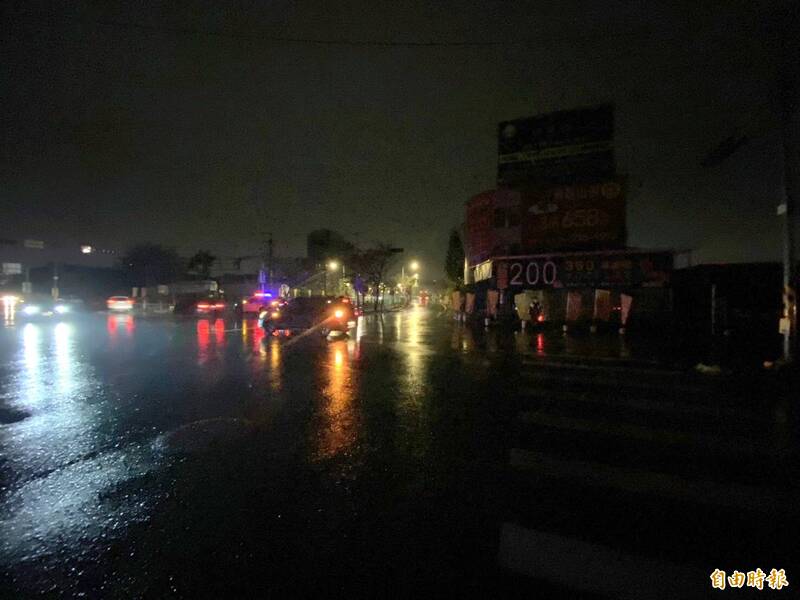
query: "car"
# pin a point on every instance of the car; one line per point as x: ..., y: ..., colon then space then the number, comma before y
x: 120, y: 303
x: 204, y: 306
x: 253, y: 305
x: 44, y: 307
x: 327, y: 314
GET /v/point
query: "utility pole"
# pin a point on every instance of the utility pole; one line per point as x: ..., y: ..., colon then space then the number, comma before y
x: 790, y: 51
x: 790, y: 166
x: 265, y: 275
x: 785, y: 23
x: 269, y: 261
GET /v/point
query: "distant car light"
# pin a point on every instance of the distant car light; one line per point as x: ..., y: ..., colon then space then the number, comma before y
x: 338, y: 314
x: 540, y: 318
x: 31, y: 310
x: 119, y: 303
x: 219, y: 305
x: 61, y: 309
x: 275, y: 314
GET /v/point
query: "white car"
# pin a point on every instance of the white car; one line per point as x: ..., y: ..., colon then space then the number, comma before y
x: 120, y: 303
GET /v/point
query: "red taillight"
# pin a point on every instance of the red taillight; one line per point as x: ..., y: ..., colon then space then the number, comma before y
x: 203, y: 306
x: 540, y: 318
x: 219, y: 305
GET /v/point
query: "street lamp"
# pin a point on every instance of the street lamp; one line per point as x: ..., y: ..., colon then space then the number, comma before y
x: 414, y: 265
x: 333, y: 265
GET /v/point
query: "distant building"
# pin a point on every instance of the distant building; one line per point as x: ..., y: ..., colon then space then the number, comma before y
x: 325, y: 244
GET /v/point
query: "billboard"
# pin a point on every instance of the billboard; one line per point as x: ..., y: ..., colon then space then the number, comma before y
x: 479, y: 227
x: 546, y: 218
x: 585, y: 270
x: 563, y: 146
x: 574, y: 217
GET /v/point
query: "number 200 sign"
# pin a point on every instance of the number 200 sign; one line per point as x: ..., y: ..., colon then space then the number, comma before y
x: 533, y: 273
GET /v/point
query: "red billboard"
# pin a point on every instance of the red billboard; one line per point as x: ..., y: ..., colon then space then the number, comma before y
x: 581, y: 216
x: 479, y: 227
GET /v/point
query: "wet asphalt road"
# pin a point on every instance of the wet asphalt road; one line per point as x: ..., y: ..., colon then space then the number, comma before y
x: 164, y: 457
x: 146, y: 456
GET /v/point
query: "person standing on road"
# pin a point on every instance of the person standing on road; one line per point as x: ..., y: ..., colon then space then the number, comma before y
x: 535, y: 310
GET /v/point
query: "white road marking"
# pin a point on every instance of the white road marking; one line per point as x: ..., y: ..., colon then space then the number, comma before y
x: 586, y: 567
x: 648, y: 482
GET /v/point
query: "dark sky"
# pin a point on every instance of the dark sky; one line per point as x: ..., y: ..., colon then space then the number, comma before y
x: 113, y: 133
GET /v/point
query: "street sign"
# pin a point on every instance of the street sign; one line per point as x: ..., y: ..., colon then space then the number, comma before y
x: 12, y: 269
x: 35, y: 244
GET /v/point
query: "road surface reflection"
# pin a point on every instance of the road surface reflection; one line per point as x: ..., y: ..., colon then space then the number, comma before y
x: 340, y: 420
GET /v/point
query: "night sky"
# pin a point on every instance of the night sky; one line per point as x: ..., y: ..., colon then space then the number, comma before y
x: 193, y: 125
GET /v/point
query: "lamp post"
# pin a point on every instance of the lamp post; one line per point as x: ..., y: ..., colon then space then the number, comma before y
x: 414, y: 267
x: 333, y: 266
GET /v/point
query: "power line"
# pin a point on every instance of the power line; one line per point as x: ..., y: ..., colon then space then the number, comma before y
x: 539, y: 41
x: 290, y: 40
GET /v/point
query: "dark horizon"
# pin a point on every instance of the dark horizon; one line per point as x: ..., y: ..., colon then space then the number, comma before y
x: 175, y: 126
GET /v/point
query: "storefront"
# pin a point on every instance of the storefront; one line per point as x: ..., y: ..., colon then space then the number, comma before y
x: 614, y: 286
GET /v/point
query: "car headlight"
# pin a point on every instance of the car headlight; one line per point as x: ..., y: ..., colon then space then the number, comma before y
x: 61, y: 309
x: 31, y: 309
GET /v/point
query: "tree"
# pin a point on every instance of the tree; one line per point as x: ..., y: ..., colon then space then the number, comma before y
x: 372, y: 264
x: 454, y: 261
x: 201, y: 263
x: 150, y: 264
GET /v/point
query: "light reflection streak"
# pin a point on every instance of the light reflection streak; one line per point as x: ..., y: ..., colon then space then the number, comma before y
x: 275, y: 366
x: 203, y: 341
x: 32, y: 358
x: 62, y: 334
x: 414, y: 353
x: 113, y: 323
x: 219, y: 332
x: 340, y: 432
